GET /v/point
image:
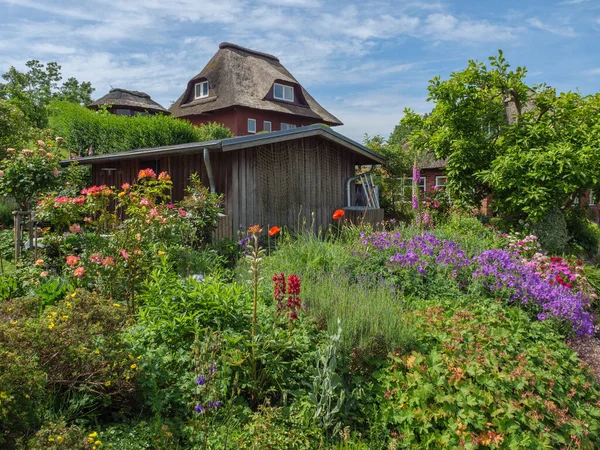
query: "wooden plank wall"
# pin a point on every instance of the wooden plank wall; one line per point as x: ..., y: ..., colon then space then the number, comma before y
x: 297, y: 183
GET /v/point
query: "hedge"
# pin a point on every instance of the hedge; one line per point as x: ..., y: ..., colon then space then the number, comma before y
x: 102, y: 132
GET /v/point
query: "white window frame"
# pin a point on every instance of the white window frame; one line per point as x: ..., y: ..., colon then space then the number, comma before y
x: 437, y: 181
x: 592, y: 198
x: 287, y: 126
x: 252, y: 121
x: 265, y: 126
x: 283, y: 87
x: 202, y: 95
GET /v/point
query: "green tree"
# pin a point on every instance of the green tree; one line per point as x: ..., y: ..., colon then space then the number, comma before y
x: 15, y: 130
x: 33, y: 90
x: 530, y: 148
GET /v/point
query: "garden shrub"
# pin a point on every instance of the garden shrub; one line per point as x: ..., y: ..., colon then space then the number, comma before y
x: 552, y: 231
x: 73, y: 350
x: 584, y: 233
x: 100, y: 132
x: 57, y: 435
x: 486, y: 376
x: 7, y: 206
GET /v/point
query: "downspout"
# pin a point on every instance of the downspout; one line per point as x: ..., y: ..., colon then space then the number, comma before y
x: 211, y: 178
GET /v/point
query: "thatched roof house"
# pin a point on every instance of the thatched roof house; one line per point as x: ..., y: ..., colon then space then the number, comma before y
x: 248, y: 91
x: 282, y: 178
x: 128, y: 103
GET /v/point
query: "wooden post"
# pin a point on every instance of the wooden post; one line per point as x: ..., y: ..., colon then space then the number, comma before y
x: 17, y: 233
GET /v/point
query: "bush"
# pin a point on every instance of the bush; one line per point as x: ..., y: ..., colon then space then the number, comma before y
x: 584, y: 233
x: 552, y: 231
x: 488, y: 377
x: 68, y: 356
x: 7, y: 206
x: 102, y: 132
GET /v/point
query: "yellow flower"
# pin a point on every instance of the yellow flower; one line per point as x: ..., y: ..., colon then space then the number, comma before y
x: 98, y: 443
x: 3, y: 395
x: 13, y: 322
x: 50, y: 439
x: 127, y: 377
x: 160, y: 252
x: 93, y: 435
x: 134, y: 366
x: 73, y: 294
x: 65, y: 317
x: 97, y: 352
x: 121, y: 194
x: 107, y: 384
x: 69, y: 304
x: 116, y: 305
x: 51, y: 325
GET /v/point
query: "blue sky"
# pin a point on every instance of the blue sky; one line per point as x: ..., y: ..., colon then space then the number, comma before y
x: 363, y: 61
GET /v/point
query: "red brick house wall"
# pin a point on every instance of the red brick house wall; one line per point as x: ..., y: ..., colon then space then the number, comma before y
x: 236, y: 119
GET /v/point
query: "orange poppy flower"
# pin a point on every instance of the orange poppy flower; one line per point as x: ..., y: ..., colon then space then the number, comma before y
x: 274, y: 230
x: 338, y: 214
x: 254, y: 229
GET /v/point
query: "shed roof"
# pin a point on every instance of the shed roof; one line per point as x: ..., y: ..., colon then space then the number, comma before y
x: 118, y: 97
x: 238, y: 76
x: 237, y: 143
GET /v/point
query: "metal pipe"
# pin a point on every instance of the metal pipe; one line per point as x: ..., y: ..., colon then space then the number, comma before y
x: 348, y: 193
x: 211, y: 178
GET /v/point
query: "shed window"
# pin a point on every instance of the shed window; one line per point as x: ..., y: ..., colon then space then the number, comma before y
x: 441, y: 181
x: 251, y: 125
x: 201, y: 89
x: 283, y: 92
x: 592, y: 199
x: 266, y: 125
x: 122, y: 112
x: 287, y: 126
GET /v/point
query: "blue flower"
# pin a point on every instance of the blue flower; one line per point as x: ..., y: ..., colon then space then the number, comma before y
x: 201, y: 380
x: 199, y: 409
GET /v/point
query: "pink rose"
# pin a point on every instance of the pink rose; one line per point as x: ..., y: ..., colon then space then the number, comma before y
x: 75, y: 228
x: 79, y: 272
x: 108, y: 261
x: 124, y: 254
x: 182, y: 212
x: 145, y: 202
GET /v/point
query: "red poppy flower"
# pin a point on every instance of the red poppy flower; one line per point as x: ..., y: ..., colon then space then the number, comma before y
x: 338, y: 214
x: 274, y: 230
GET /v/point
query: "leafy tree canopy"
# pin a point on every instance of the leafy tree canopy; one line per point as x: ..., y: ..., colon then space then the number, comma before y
x: 529, y: 147
x: 33, y: 90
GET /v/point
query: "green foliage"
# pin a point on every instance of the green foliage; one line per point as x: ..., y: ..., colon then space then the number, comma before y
x: 584, y: 234
x: 203, y: 207
x: 552, y: 231
x: 15, y: 130
x: 58, y: 435
x: 101, y: 132
x: 7, y: 206
x: 66, y: 357
x: 32, y: 91
x: 487, y: 376
x: 525, y: 145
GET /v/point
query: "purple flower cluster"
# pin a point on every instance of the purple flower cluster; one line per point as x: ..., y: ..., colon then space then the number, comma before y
x: 498, y: 270
x: 503, y: 270
x: 210, y: 405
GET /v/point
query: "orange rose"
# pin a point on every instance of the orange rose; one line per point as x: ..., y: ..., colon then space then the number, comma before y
x: 274, y: 230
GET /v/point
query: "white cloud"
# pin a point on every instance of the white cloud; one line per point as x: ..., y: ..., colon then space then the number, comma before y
x: 564, y: 31
x: 446, y: 27
x: 592, y: 72
x: 44, y: 47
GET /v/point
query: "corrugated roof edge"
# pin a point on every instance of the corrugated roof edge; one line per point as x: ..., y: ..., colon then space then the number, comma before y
x: 236, y: 143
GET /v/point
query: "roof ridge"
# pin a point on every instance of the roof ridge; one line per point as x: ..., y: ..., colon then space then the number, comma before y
x: 247, y: 50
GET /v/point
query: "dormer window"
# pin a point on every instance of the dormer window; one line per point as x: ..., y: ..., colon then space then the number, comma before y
x: 283, y: 92
x: 201, y: 90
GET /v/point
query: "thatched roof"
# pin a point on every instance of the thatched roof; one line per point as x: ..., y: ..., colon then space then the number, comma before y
x: 429, y: 161
x: 122, y: 98
x: 238, y: 76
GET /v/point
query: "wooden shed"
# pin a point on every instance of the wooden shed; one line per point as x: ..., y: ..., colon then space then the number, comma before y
x: 281, y: 178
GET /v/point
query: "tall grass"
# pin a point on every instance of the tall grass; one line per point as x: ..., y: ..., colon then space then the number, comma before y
x: 371, y: 309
